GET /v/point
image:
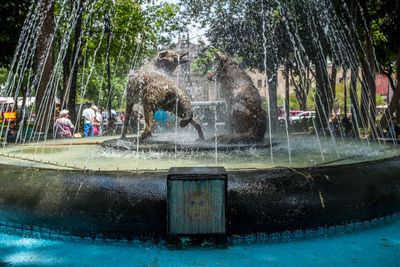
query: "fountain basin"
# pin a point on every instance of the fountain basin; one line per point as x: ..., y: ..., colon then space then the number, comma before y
x: 159, y: 154
x: 129, y: 144
x: 128, y: 204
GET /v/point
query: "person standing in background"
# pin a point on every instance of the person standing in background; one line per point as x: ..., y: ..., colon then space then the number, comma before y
x: 63, y: 125
x: 98, y: 122
x: 88, y: 116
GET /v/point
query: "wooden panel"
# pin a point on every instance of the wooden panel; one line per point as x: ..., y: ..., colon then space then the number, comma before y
x: 196, y: 206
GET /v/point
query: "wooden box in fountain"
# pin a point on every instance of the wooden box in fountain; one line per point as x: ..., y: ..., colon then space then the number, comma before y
x: 196, y: 201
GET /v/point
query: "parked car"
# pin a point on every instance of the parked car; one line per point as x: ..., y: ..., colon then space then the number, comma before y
x: 302, y: 116
x: 291, y: 114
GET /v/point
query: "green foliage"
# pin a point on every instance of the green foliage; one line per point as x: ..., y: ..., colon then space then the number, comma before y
x: 161, y: 18
x: 128, y: 33
x: 12, y: 15
x: 3, y: 76
x: 383, y: 17
x: 380, y: 101
x: 294, y: 103
x: 339, y: 99
x: 378, y: 36
x: 205, y: 62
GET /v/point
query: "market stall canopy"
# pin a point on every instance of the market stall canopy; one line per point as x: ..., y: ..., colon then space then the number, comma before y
x: 29, y: 101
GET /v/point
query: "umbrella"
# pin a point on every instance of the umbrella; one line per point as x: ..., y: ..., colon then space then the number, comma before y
x: 161, y: 116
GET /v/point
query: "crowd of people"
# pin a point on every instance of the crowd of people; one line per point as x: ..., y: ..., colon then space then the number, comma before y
x: 93, y: 121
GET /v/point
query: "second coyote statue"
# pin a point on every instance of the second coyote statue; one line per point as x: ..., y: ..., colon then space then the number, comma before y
x: 247, y: 117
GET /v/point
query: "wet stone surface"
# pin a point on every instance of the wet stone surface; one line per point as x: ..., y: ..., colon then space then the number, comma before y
x: 169, y: 146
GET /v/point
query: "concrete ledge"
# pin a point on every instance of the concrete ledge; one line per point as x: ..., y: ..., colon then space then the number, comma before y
x: 128, y: 205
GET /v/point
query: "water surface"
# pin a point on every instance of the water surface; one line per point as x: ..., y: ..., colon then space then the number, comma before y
x: 371, y: 244
x: 305, y: 152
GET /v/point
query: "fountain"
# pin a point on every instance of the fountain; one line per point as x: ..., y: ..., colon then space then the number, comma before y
x: 277, y: 181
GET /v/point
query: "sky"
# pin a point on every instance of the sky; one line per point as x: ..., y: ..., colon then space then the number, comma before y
x: 195, y: 32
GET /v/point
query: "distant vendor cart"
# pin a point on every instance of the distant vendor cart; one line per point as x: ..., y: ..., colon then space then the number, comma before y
x: 7, y: 109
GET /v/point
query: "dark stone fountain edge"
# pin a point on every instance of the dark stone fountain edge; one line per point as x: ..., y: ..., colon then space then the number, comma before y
x: 129, y: 205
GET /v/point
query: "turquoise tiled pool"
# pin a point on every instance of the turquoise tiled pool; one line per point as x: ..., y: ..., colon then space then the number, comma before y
x: 376, y: 243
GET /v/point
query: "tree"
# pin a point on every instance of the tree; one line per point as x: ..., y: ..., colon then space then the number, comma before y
x: 72, y: 61
x: 385, y: 35
x: 44, y: 64
x: 375, y: 33
x: 302, y: 85
x: 12, y: 15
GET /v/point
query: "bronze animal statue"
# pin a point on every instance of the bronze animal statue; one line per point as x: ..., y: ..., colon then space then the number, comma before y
x: 247, y: 117
x: 151, y: 86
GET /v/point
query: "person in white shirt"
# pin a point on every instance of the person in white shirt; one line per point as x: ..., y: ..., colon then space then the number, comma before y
x: 88, y: 116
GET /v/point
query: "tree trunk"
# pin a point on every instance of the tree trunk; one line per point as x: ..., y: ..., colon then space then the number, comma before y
x: 287, y: 108
x: 44, y: 62
x: 355, y: 110
x: 107, y: 31
x: 66, y: 75
x: 332, y: 92
x: 364, y: 103
x: 355, y: 107
x: 301, y: 89
x: 395, y: 103
x: 307, y: 82
x: 370, y: 71
x: 75, y: 66
x: 272, y: 73
x: 368, y: 98
x: 322, y: 101
x: 398, y: 110
x: 345, y: 91
x: 109, y: 78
